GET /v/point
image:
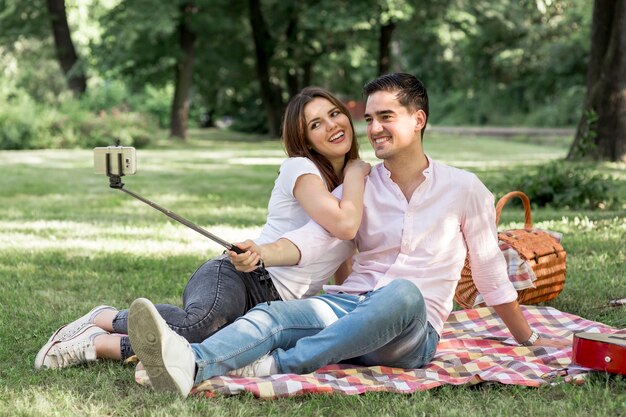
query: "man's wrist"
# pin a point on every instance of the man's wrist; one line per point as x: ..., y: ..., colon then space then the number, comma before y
x: 534, y: 336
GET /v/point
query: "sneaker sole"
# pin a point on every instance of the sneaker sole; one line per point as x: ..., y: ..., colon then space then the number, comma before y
x: 144, y: 331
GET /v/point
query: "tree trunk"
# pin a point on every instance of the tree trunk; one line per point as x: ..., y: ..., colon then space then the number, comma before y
x: 398, y: 62
x: 307, y: 71
x: 264, y: 49
x: 601, y: 133
x: 68, y: 59
x: 293, y: 73
x: 184, y: 75
x: 384, y: 47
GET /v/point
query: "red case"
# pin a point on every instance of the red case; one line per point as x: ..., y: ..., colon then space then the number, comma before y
x: 603, y: 352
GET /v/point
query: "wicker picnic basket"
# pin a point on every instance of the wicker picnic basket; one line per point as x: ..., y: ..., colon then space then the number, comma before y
x: 544, y: 254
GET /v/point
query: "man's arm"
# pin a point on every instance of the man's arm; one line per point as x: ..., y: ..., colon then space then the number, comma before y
x: 489, y: 267
x: 279, y: 253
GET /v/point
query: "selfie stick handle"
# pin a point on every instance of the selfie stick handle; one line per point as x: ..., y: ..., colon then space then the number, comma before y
x: 115, y: 181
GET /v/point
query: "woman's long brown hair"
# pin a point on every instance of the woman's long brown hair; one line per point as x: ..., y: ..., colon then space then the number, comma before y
x: 294, y: 133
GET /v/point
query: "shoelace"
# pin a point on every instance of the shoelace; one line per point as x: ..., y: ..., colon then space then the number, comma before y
x: 66, y: 331
x: 74, y: 353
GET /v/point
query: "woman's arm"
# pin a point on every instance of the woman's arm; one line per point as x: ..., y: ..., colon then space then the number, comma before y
x: 342, y: 217
x: 279, y: 253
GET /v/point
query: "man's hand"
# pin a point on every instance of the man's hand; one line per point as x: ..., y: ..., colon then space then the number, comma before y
x: 247, y: 261
x: 555, y: 343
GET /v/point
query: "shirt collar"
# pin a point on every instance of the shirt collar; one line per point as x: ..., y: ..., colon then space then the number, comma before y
x: 428, y: 172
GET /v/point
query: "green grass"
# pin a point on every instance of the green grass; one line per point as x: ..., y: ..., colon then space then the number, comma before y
x: 69, y: 242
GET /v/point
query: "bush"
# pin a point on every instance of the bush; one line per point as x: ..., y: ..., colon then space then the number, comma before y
x: 569, y: 185
x: 502, y: 107
x: 19, y: 124
x: 132, y: 129
x: 250, y: 119
x: 108, y: 95
x: 154, y: 101
x: 561, y: 110
x: 26, y: 124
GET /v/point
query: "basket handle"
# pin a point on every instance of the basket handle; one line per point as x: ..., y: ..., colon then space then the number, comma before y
x: 528, y: 223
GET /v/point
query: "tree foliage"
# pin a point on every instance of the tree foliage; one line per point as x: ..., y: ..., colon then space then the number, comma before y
x: 496, y: 62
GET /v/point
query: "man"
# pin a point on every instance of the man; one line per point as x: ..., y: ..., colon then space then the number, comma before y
x: 420, y: 220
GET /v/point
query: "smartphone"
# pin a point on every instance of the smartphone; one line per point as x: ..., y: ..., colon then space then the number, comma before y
x: 115, y: 160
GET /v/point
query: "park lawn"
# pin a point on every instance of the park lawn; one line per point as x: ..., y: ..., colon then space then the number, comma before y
x: 68, y: 243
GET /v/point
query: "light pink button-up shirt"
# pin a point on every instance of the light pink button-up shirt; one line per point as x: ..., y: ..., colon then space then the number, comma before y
x: 424, y: 240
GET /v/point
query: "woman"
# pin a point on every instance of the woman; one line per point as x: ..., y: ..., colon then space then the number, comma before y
x: 318, y: 136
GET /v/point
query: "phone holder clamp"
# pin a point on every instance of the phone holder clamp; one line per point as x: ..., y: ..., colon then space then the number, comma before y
x: 115, y: 180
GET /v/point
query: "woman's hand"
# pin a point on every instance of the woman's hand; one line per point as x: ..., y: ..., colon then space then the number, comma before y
x: 357, y: 167
x: 247, y: 261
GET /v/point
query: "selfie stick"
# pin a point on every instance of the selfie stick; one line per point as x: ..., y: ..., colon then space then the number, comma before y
x: 115, y: 181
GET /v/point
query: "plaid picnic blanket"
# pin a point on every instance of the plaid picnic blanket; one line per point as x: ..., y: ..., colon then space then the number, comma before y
x: 475, y: 347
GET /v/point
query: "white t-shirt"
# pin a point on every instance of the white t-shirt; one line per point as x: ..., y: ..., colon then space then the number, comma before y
x: 286, y: 214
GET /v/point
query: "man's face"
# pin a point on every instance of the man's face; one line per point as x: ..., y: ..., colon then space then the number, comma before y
x: 391, y: 128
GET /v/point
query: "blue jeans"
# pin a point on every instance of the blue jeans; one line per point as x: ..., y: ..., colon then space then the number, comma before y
x: 386, y: 327
x: 214, y: 297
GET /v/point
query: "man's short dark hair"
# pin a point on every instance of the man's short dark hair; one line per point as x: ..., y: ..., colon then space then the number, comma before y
x: 411, y: 92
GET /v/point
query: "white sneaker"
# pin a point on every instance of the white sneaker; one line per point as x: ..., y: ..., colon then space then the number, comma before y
x: 69, y: 330
x: 76, y: 350
x: 263, y: 366
x: 167, y: 357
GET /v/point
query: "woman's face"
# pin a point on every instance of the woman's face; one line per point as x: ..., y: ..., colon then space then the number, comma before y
x: 328, y: 129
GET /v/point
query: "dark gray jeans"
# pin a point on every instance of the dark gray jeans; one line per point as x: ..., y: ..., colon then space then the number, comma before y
x: 214, y: 297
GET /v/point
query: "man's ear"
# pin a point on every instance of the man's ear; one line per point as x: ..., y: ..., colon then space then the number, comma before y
x: 420, y: 119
